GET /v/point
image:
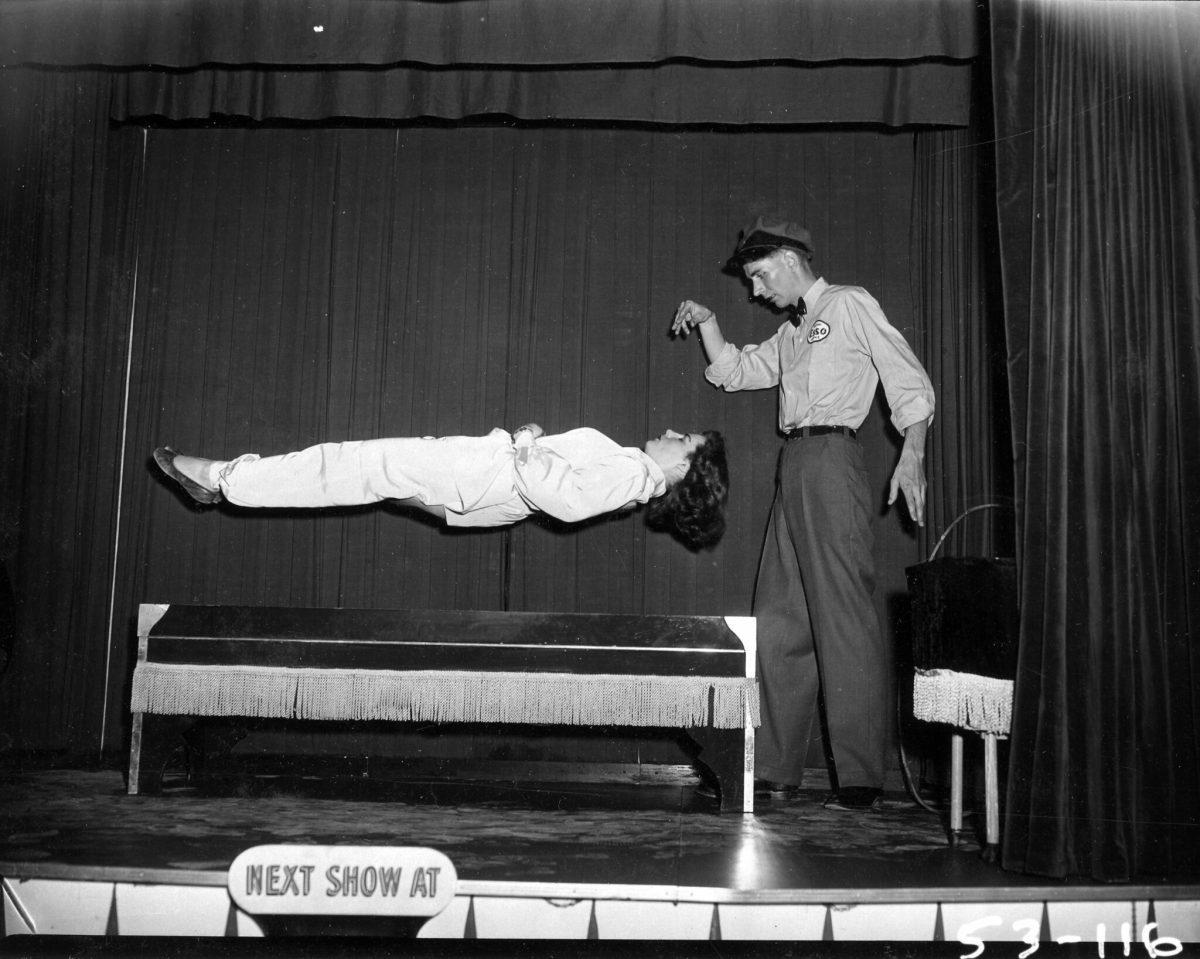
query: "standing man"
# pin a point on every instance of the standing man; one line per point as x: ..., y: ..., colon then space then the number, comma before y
x: 817, y: 627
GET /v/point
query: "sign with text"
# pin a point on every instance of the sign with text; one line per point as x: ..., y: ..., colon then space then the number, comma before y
x: 342, y: 880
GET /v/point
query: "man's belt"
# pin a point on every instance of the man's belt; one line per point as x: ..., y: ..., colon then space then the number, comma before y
x: 819, y: 431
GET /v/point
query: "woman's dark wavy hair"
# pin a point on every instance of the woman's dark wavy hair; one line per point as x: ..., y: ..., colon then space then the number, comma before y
x: 693, y: 510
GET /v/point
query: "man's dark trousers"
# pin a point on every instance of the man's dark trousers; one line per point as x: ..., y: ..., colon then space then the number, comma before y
x: 816, y: 617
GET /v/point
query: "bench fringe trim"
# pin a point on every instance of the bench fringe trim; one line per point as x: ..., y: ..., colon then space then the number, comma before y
x: 444, y: 696
x: 981, y: 704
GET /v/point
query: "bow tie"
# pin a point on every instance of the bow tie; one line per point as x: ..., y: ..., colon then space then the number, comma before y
x: 798, y: 312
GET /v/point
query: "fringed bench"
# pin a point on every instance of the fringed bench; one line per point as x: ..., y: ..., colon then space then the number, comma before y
x: 690, y: 673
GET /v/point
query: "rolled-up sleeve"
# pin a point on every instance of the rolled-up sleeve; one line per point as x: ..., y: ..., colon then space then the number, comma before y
x: 907, y: 386
x: 550, y: 483
x: 750, y: 368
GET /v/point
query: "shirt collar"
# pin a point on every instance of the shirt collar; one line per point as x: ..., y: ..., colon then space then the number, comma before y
x: 814, y: 293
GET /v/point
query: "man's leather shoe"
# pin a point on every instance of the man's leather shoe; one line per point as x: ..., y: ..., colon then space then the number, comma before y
x: 767, y: 787
x: 854, y: 798
x: 164, y: 456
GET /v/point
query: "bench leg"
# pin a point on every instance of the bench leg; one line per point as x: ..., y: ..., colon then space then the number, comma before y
x: 991, y: 798
x: 154, y: 740
x: 956, y: 788
x: 723, y: 751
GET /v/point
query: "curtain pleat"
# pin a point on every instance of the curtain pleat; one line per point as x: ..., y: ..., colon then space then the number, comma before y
x: 67, y: 220
x: 1097, y: 111
x: 961, y: 340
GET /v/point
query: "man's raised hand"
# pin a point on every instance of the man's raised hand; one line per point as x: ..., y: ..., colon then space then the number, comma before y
x: 689, y: 315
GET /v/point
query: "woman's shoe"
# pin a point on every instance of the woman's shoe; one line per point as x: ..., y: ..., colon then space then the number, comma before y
x: 164, y: 456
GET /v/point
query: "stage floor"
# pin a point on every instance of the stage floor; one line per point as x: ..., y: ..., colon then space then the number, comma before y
x: 791, y: 870
x: 532, y: 832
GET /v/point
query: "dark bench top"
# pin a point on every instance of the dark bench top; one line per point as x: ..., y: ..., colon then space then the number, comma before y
x: 446, y: 639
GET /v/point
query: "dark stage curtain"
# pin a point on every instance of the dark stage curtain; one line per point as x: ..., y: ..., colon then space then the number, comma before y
x: 303, y: 285
x: 66, y: 281
x: 187, y: 33
x: 907, y: 62
x: 1097, y: 111
x: 891, y: 94
x: 267, y: 287
x: 960, y: 338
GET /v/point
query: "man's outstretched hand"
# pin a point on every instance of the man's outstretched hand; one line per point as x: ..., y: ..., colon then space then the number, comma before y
x: 689, y: 315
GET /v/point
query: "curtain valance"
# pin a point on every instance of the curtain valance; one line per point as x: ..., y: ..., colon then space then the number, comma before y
x: 904, y: 62
x: 191, y: 33
x: 675, y: 93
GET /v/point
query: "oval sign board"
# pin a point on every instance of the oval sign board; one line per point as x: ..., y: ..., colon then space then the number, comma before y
x: 342, y: 880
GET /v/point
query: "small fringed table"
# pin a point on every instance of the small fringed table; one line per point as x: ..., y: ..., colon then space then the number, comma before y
x: 691, y: 673
x: 979, y: 704
x: 964, y: 616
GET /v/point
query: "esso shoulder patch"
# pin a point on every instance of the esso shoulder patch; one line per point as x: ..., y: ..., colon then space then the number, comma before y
x: 819, y: 331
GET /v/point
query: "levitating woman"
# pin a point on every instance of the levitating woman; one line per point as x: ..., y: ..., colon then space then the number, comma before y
x: 491, y: 480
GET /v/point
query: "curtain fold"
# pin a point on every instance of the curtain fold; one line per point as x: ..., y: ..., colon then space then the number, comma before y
x: 924, y: 93
x: 187, y: 33
x: 961, y: 341
x: 1098, y: 112
x: 67, y: 245
x: 906, y: 62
